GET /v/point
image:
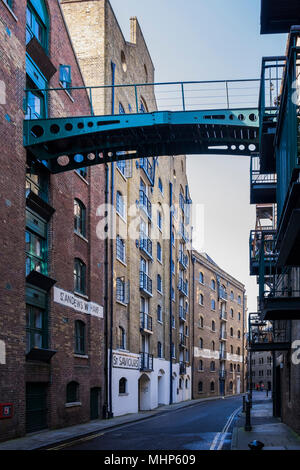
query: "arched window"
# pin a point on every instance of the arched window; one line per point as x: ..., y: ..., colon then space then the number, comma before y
x: 120, y: 204
x: 159, y: 254
x: 122, y: 385
x: 213, y: 345
x: 231, y: 312
x: 238, y: 351
x: 201, y: 322
x: 79, y: 276
x: 213, y: 325
x: 200, y: 387
x: 159, y: 283
x: 231, y: 295
x: 79, y: 337
x: 231, y: 368
x: 201, y: 343
x: 213, y: 284
x: 238, y: 368
x: 239, y: 300
x: 122, y: 338
x: 120, y: 249
x: 239, y: 334
x: 201, y: 299
x: 231, y: 331
x: 200, y: 365
x: 212, y: 386
x: 72, y: 392
x: 239, y: 316
x: 213, y: 304
x: 201, y: 278
x: 79, y: 217
x: 231, y: 349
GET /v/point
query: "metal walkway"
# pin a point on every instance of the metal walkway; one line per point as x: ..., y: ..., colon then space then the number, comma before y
x: 68, y: 143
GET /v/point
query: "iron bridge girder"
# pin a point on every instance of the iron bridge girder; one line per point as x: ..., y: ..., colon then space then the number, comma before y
x: 69, y: 143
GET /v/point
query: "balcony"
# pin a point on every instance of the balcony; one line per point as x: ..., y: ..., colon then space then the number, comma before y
x: 223, y: 335
x: 223, y: 315
x: 183, y: 260
x: 262, y: 239
x: 222, y: 354
x: 262, y: 186
x: 182, y: 340
x: 182, y: 313
x: 148, y: 168
x: 268, y: 335
x: 278, y: 16
x: 146, y: 364
x: 182, y: 368
x: 146, y: 323
x: 183, y: 233
x: 146, y: 245
x: 183, y: 287
x: 222, y: 293
x: 145, y: 284
x: 145, y: 204
x: 222, y: 374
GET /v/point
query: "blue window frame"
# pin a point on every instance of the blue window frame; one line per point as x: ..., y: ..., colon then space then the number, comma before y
x: 201, y: 277
x: 159, y: 283
x: 159, y: 252
x: 79, y: 276
x: 36, y: 22
x: 213, y: 304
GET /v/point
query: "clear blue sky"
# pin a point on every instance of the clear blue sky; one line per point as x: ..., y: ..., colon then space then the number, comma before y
x: 210, y: 40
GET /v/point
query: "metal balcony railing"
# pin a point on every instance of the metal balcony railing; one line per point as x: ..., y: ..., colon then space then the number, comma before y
x: 182, y: 313
x: 146, y: 361
x: 265, y: 240
x: 268, y: 335
x: 145, y: 321
x: 222, y: 293
x: 145, y: 283
x: 146, y: 245
x: 182, y: 340
x: 145, y: 204
x: 222, y: 354
x: 223, y: 335
x: 183, y: 287
x: 182, y: 368
x: 222, y: 374
x: 257, y: 178
x: 148, y: 168
x: 223, y: 315
x: 183, y: 259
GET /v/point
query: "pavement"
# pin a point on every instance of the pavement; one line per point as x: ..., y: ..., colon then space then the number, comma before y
x: 58, y: 437
x: 265, y: 428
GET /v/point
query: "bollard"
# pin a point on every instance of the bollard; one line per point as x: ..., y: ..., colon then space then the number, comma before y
x: 256, y: 446
x: 248, y: 426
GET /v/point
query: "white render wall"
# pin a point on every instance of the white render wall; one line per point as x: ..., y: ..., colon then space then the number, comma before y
x: 153, y: 387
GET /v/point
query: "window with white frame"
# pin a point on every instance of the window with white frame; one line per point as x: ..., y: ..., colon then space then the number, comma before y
x: 120, y: 249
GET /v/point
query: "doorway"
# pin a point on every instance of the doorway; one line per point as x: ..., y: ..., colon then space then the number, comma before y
x: 95, y: 403
x: 36, y: 407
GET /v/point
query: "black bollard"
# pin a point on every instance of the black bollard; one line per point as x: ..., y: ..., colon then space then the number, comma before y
x: 244, y: 403
x: 248, y: 426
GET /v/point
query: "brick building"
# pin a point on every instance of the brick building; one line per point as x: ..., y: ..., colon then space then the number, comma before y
x: 51, y: 313
x: 261, y: 369
x: 146, y: 304
x: 219, y: 324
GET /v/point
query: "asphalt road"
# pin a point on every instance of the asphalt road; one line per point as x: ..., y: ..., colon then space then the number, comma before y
x: 204, y: 426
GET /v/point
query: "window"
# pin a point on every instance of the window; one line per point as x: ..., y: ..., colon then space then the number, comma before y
x: 238, y: 351
x: 200, y: 387
x: 212, y: 366
x: 160, y: 185
x: 79, y: 218
x: 239, y: 316
x: 36, y: 249
x: 231, y: 312
x: 122, y: 385
x: 65, y: 76
x: 121, y: 164
x: 200, y: 365
x: 231, y: 386
x: 239, y: 334
x: 213, y: 325
x: 72, y: 392
x: 180, y: 383
x: 79, y: 337
x: 231, y: 349
x: 159, y: 313
x: 213, y: 284
x: 238, y: 368
x: 122, y: 341
x: 231, y: 332
x: 36, y: 328
x: 35, y: 101
x: 79, y: 276
x: 159, y: 220
x: 201, y: 299
x: 231, y: 368
x: 231, y: 295
x: 239, y: 300
x: 159, y: 349
x: 120, y: 249
x: 213, y: 304
x: 120, y: 296
x: 212, y: 386
x: 213, y: 346
x: 35, y: 25
x: 201, y: 343
x: 173, y: 351
x: 201, y: 322
x: 82, y: 172
x: 120, y: 205
x: 159, y: 283
x: 159, y: 254
x: 201, y: 278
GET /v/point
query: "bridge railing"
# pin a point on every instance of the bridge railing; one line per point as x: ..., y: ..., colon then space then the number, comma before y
x: 143, y: 97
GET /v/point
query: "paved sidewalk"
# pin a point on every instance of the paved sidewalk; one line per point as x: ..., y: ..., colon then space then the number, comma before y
x: 44, y: 439
x: 265, y: 428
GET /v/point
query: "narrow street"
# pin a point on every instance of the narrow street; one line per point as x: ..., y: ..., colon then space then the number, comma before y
x: 205, y: 426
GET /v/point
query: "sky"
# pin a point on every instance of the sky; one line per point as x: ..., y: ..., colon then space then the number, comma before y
x: 210, y: 40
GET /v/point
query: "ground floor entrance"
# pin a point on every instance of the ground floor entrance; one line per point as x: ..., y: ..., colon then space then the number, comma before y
x: 36, y: 407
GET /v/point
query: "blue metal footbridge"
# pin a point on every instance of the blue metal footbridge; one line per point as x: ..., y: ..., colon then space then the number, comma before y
x: 197, y: 125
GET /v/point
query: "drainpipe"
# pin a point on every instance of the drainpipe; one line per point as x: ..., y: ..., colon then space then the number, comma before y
x: 171, y: 311
x: 113, y: 67
x: 193, y: 323
x: 106, y: 372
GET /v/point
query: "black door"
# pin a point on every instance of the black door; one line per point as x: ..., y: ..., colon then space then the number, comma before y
x: 36, y: 406
x: 95, y: 403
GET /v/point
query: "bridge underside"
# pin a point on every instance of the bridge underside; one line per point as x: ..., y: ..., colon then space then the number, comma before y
x: 69, y: 143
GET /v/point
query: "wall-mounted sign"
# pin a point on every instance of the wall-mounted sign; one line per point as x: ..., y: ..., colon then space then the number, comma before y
x: 125, y: 361
x: 6, y: 410
x: 76, y: 303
